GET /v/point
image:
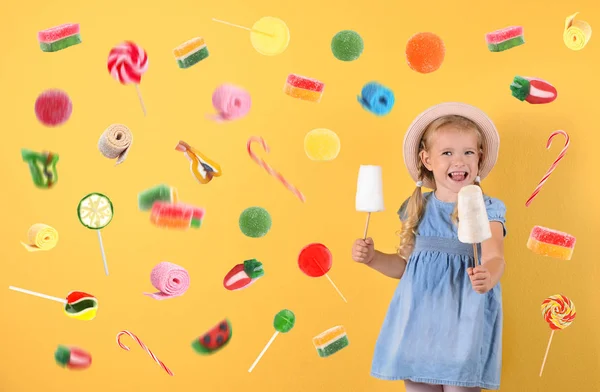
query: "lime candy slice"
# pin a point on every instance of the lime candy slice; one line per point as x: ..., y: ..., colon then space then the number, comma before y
x: 95, y: 211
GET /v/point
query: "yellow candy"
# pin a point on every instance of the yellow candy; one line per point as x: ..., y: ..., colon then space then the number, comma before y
x: 41, y: 237
x: 276, y: 42
x: 577, y: 33
x: 545, y: 249
x: 188, y: 46
x: 322, y: 144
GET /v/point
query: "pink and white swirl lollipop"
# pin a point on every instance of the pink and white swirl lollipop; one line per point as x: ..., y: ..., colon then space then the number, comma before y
x: 127, y: 62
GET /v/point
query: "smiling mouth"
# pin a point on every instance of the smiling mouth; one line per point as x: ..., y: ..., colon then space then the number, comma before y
x: 458, y: 176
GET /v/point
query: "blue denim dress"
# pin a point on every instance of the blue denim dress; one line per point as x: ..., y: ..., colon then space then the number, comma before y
x: 438, y: 330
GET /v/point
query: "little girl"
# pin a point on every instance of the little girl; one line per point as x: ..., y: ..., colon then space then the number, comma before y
x: 443, y: 329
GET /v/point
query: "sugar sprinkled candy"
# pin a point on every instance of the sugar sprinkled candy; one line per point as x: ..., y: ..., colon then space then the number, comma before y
x: 255, y: 222
x: 53, y: 107
x: 347, y: 45
x: 322, y: 144
x: 59, y: 37
x: 552, y: 243
x: 425, y: 52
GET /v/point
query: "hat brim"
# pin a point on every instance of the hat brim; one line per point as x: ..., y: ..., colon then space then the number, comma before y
x: 412, y: 139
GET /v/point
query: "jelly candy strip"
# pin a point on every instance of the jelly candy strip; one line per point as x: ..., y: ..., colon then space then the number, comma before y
x: 61, y: 300
x: 202, y: 168
x: 42, y: 167
x: 553, y: 243
x: 190, y: 52
x: 577, y: 33
x: 41, y: 237
x: 162, y: 192
x: 504, y: 39
x: 142, y: 345
x: 559, y: 312
x: 553, y: 166
x: 262, y: 163
x: 533, y: 90
x: 242, y: 27
x: 263, y: 352
x: 176, y: 215
x: 331, y: 341
x: 59, y: 37
x: 304, y: 88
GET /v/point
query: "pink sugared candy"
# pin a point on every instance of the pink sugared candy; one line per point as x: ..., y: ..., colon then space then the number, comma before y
x: 53, y: 107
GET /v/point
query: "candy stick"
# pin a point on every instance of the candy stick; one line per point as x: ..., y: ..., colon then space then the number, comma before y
x: 242, y: 27
x: 336, y: 289
x: 558, y: 159
x: 61, y: 300
x: 261, y: 162
x: 263, y: 351
x: 546, y: 356
x: 124, y: 347
x: 139, y: 93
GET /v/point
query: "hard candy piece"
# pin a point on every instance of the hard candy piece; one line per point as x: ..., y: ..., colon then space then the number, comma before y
x: 81, y: 306
x: 552, y: 243
x: 347, y: 45
x: 191, y: 52
x: 425, y: 52
x: 284, y: 321
x: 127, y: 62
x: 322, y: 145
x: 277, y: 40
x: 315, y: 260
x: 558, y: 311
x: 59, y: 37
x: 53, y: 107
x: 255, y: 222
x: 331, y: 341
x: 215, y: 339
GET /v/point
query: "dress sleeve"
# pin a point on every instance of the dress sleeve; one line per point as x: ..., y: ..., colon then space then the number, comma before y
x: 402, y: 210
x: 496, y: 211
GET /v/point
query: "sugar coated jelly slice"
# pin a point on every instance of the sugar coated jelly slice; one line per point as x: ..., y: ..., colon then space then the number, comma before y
x: 59, y: 37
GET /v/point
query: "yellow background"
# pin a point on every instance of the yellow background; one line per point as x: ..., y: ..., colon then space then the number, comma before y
x: 177, y: 102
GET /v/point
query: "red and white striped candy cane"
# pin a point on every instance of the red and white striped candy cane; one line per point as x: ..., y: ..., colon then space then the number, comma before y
x: 124, y: 347
x: 558, y: 159
x: 261, y: 162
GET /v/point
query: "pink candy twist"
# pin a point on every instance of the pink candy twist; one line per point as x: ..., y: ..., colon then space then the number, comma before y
x: 171, y: 280
x: 127, y: 62
x: 231, y: 102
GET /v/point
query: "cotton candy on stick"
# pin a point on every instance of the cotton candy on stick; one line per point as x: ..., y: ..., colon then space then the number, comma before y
x: 315, y: 260
x: 473, y: 223
x: 284, y: 321
x: 95, y: 211
x: 127, y: 62
x: 559, y: 312
x: 78, y: 305
x: 369, y: 191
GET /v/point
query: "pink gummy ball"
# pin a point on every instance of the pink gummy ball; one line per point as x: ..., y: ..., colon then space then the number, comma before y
x: 53, y: 107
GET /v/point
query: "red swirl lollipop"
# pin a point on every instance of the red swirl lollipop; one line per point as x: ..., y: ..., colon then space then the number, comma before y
x: 127, y: 62
x: 315, y: 260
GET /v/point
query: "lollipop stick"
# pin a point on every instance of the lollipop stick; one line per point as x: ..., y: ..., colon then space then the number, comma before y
x: 38, y: 294
x: 139, y: 93
x: 263, y: 351
x: 367, y: 226
x: 546, y: 356
x: 336, y: 289
x: 242, y: 27
x: 102, y: 250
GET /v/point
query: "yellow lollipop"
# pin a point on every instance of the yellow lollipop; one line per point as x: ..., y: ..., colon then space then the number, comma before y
x: 577, y: 33
x: 276, y: 39
x: 322, y: 145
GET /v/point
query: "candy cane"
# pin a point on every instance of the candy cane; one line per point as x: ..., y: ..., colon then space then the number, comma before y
x: 560, y: 156
x: 261, y: 162
x: 124, y: 347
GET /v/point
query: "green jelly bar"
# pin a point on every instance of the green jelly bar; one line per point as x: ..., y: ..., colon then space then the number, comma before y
x: 157, y: 193
x: 196, y: 223
x: 333, y: 347
x: 511, y: 43
x: 61, y: 44
x: 194, y: 58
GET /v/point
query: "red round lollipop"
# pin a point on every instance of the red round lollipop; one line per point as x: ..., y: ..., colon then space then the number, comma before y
x: 53, y: 107
x: 425, y: 52
x: 315, y: 260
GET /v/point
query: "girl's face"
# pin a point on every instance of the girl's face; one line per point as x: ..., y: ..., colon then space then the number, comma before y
x: 453, y: 157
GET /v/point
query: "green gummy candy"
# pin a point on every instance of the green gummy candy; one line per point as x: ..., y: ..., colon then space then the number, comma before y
x: 196, y: 223
x: 193, y: 58
x: 60, y: 44
x: 253, y: 268
x: 508, y: 44
x: 157, y: 193
x: 62, y: 355
x: 520, y: 88
x: 284, y: 321
x: 43, y: 173
x: 333, y: 347
x: 347, y: 45
x: 255, y: 222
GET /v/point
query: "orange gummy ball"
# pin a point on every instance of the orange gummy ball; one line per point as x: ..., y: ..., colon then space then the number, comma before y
x: 425, y: 52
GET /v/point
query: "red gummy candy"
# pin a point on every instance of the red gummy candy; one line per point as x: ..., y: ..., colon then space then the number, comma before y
x: 53, y: 107
x: 425, y: 52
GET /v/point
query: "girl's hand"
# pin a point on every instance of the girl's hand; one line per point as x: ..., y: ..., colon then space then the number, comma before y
x: 363, y: 251
x: 481, y: 279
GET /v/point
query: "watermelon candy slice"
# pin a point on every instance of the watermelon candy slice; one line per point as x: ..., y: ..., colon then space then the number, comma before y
x: 213, y: 340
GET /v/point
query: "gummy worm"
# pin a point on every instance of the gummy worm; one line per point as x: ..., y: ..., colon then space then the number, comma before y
x: 261, y: 162
x: 124, y: 347
x: 560, y: 156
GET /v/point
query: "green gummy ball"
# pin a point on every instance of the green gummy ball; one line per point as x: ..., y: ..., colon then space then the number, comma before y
x: 255, y: 222
x: 347, y: 45
x: 284, y: 321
